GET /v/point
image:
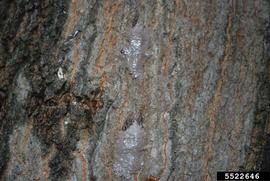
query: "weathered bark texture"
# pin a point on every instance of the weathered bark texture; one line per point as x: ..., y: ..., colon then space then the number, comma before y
x: 132, y: 89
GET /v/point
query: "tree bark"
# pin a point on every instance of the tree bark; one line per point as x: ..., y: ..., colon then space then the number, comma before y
x: 133, y: 89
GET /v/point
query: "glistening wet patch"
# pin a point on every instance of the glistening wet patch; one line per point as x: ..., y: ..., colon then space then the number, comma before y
x: 136, y: 51
x: 130, y: 148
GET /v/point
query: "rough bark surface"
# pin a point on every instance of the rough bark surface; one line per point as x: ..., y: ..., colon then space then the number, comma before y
x: 133, y: 89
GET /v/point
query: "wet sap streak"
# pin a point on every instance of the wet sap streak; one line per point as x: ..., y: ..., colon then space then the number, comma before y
x: 129, y: 151
x: 129, y: 148
x: 135, y: 51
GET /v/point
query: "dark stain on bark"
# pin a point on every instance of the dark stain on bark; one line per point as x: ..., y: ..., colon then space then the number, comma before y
x: 29, y: 30
x: 258, y: 153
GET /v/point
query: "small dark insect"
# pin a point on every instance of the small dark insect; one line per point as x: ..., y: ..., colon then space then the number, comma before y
x: 131, y: 119
x: 122, y: 51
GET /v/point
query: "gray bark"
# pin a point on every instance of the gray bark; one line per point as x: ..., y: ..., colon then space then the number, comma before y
x: 133, y: 89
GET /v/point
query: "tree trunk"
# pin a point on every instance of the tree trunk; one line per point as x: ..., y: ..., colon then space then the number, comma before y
x: 133, y: 90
